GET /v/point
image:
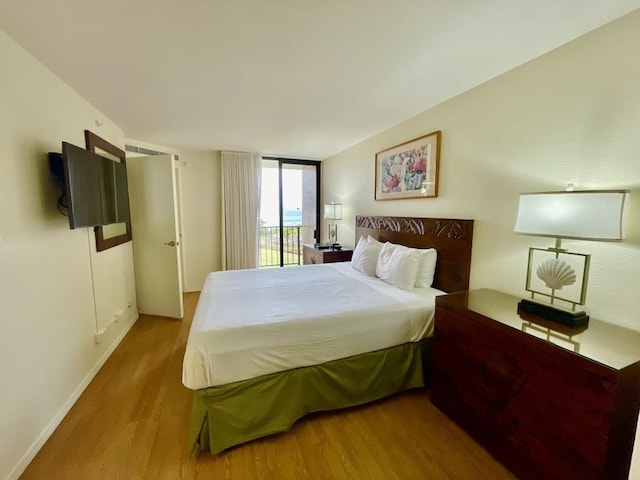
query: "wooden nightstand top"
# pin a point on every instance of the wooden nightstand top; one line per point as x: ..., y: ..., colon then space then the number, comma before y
x: 325, y: 249
x: 312, y: 254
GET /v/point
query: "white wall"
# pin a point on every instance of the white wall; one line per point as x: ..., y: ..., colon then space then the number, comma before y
x: 202, y: 210
x: 48, y: 273
x: 572, y: 115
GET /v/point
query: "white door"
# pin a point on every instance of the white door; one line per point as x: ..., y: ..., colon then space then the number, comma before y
x: 156, y: 245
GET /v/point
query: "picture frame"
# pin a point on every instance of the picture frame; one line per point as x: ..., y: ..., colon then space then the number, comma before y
x: 108, y: 236
x: 409, y: 170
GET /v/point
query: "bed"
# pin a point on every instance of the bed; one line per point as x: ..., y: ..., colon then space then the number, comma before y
x: 269, y: 346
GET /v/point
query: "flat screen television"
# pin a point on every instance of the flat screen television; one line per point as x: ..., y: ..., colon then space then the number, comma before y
x: 95, y: 187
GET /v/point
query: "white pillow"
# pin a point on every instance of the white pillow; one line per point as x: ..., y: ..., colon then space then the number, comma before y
x: 398, y: 265
x: 365, y: 257
x: 427, y: 268
x: 370, y: 239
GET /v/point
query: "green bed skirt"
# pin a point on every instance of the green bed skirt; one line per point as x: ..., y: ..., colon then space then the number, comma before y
x: 235, y: 413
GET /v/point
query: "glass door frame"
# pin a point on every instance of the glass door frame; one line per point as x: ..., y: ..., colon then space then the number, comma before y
x: 291, y: 161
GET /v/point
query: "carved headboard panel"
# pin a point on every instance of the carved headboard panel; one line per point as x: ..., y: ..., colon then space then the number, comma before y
x: 452, y: 239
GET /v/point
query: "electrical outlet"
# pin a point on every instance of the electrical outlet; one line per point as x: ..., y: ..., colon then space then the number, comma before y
x: 98, y: 335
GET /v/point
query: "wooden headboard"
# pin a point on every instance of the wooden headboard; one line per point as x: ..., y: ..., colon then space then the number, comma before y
x: 450, y: 237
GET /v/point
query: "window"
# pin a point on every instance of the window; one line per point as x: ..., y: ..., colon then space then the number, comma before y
x: 289, y: 210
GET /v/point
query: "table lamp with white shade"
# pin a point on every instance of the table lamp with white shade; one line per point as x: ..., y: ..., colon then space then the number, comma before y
x: 333, y: 212
x: 560, y: 275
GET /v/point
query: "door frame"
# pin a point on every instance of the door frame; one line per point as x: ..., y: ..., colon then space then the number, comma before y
x: 134, y: 149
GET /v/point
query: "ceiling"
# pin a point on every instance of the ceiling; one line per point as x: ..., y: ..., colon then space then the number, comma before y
x: 298, y: 78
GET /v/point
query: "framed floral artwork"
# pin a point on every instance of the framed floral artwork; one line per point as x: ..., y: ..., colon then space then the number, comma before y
x: 409, y: 170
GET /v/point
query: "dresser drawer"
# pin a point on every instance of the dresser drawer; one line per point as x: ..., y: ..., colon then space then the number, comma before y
x: 310, y: 256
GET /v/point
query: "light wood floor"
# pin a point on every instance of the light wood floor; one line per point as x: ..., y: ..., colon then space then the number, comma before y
x: 131, y: 423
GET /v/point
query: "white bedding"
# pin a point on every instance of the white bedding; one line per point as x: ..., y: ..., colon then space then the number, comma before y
x: 254, y: 322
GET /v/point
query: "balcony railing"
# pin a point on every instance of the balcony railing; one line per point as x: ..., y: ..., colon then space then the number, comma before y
x: 270, y: 246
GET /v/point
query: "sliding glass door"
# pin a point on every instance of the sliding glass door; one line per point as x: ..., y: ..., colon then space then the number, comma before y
x: 289, y: 210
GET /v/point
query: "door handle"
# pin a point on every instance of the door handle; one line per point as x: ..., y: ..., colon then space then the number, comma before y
x: 171, y: 243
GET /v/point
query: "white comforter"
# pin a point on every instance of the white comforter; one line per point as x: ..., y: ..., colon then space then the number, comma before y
x: 254, y: 322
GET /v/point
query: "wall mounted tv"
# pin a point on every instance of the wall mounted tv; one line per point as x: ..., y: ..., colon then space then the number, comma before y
x: 95, y: 187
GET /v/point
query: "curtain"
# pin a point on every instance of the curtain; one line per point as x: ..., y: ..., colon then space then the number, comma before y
x: 241, y: 174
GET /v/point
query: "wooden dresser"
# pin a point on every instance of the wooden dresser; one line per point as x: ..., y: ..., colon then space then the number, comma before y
x: 548, y: 401
x: 311, y: 254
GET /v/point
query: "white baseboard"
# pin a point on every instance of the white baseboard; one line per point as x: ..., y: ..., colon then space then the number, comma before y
x: 53, y: 424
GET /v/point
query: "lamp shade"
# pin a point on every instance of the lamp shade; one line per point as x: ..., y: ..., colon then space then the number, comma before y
x: 333, y: 211
x: 588, y: 214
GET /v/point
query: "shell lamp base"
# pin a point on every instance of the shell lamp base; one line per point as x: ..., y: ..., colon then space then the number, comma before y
x: 558, y: 315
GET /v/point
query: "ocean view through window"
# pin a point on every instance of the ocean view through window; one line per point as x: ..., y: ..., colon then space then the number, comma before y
x: 289, y: 186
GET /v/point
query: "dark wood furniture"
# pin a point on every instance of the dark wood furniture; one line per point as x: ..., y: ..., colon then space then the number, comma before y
x: 452, y: 238
x: 311, y: 254
x: 548, y: 401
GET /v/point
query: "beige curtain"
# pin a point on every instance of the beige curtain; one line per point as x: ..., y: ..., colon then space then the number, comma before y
x: 241, y: 174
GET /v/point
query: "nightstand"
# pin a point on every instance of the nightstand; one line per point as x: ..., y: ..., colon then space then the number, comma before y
x: 546, y: 400
x: 311, y: 254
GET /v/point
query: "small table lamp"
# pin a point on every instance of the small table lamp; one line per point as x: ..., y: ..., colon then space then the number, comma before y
x: 585, y: 215
x: 333, y: 211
